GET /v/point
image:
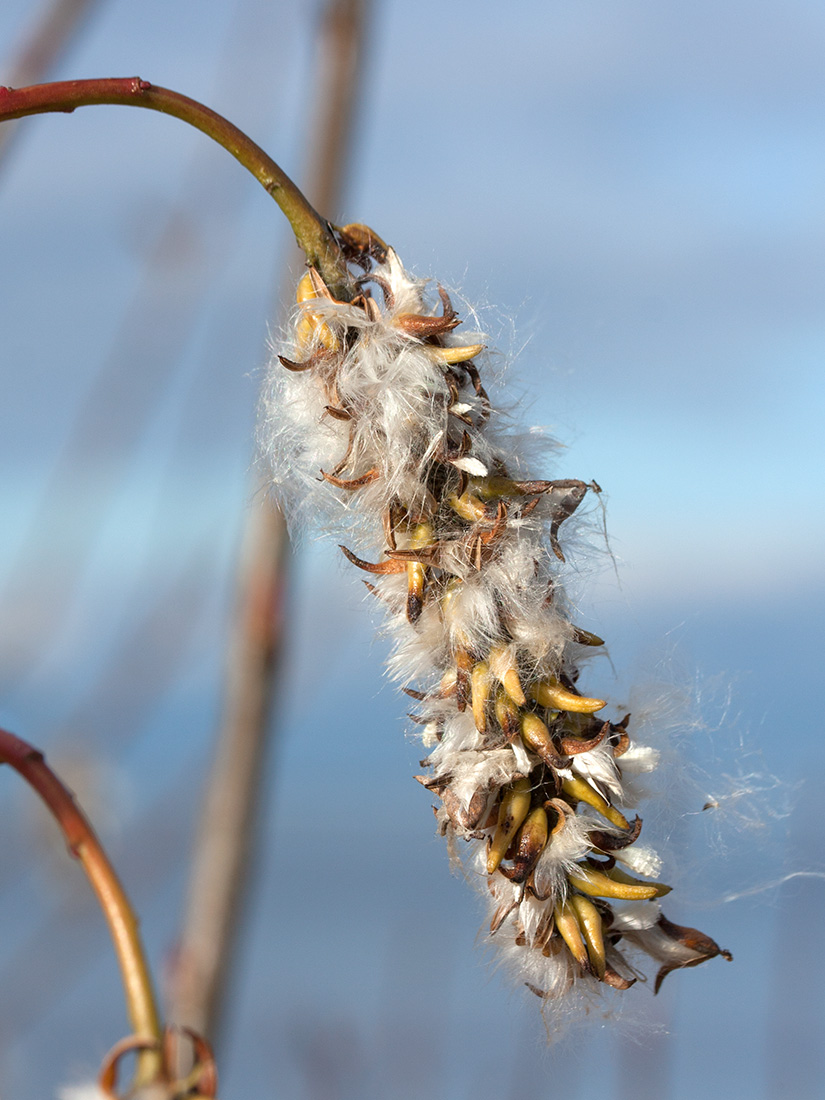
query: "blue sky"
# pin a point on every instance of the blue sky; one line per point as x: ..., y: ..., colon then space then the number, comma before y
x: 631, y: 195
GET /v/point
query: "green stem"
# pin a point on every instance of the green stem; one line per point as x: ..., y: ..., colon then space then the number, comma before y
x: 314, y: 234
x: 123, y: 924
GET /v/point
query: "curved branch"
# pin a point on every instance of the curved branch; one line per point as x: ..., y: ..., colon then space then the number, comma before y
x: 314, y: 234
x: 30, y: 763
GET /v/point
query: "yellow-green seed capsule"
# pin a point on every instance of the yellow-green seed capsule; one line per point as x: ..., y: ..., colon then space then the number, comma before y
x: 490, y: 488
x: 504, y: 668
x: 590, y: 921
x: 416, y: 583
x: 421, y: 536
x: 512, y: 812
x: 536, y: 737
x: 448, y: 356
x: 597, y: 885
x: 550, y: 693
x: 529, y: 843
x: 583, y: 792
x: 616, y: 874
x: 567, y: 924
x: 469, y: 507
x: 310, y: 328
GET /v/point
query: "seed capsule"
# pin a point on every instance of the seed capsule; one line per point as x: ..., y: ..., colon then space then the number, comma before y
x: 416, y: 581
x: 504, y: 668
x: 529, y: 844
x: 507, y: 714
x: 583, y: 792
x: 310, y: 328
x: 570, y: 931
x: 448, y: 356
x: 469, y: 507
x: 512, y: 812
x: 590, y: 921
x: 422, y: 535
x: 362, y: 238
x: 491, y: 487
x: 536, y: 737
x: 597, y: 885
x: 480, y: 686
x: 616, y: 874
x: 550, y: 693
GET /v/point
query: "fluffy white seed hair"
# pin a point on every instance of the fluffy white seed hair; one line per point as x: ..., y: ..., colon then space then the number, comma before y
x: 379, y: 430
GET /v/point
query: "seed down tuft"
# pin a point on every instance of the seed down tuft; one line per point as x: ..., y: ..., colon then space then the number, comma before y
x: 380, y: 424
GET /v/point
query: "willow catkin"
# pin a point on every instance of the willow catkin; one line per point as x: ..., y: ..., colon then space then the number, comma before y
x: 379, y: 427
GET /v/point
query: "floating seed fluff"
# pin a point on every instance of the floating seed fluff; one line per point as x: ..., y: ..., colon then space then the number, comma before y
x: 379, y: 423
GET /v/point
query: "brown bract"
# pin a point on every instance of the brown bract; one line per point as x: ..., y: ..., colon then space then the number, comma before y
x: 702, y: 946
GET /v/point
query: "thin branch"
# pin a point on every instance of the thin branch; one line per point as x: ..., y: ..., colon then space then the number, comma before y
x: 123, y: 925
x: 314, y: 234
x: 342, y: 47
x: 220, y: 863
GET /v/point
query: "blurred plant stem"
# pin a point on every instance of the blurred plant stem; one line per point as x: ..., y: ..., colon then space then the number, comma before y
x: 221, y: 860
x: 313, y: 233
x: 38, y: 53
x: 123, y: 925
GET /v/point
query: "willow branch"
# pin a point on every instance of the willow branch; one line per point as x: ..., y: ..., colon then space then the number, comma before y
x: 123, y: 925
x: 313, y: 233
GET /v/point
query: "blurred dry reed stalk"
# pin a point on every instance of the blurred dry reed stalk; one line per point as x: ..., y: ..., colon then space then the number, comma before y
x: 221, y: 859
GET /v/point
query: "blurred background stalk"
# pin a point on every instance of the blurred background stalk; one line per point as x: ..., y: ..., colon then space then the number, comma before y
x: 223, y: 856
x: 50, y: 37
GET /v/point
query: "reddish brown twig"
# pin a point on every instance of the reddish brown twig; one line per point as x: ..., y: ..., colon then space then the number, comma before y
x: 84, y: 845
x: 313, y: 233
